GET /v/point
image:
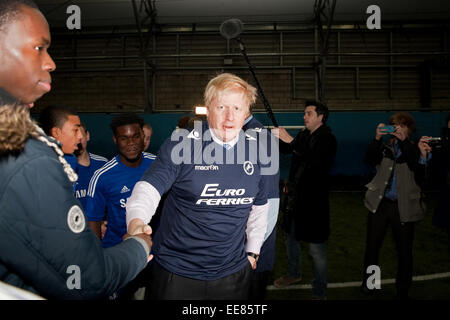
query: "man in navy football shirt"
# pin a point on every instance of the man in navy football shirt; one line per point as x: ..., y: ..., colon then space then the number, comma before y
x: 111, y: 185
x: 88, y: 163
x: 215, y: 214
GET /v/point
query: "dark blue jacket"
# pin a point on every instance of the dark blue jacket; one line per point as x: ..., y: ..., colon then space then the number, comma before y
x: 44, y: 235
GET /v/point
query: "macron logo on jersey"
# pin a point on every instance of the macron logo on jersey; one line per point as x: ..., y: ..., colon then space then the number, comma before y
x: 214, y: 196
x: 207, y: 168
x: 124, y: 189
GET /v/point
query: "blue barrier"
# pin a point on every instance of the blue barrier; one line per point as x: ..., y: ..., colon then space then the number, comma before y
x: 353, y: 131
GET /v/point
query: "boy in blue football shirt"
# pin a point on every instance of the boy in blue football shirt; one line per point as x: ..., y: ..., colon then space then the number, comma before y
x: 64, y: 125
x: 88, y: 163
x: 111, y: 185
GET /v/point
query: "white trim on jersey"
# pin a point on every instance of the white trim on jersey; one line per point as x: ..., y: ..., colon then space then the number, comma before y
x: 93, y: 183
x: 149, y: 155
x: 97, y: 157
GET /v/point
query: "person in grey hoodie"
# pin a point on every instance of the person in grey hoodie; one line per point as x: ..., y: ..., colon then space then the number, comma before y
x: 46, y: 246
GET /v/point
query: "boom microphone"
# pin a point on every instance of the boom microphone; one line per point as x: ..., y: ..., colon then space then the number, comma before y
x: 231, y: 28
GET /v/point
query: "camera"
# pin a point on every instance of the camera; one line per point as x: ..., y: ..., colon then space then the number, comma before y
x: 435, y: 142
x: 388, y: 129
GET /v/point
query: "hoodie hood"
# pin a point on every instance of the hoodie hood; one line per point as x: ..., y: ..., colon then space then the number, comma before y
x: 16, y: 125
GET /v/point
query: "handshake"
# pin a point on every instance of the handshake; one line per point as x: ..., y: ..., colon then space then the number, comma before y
x: 137, y: 228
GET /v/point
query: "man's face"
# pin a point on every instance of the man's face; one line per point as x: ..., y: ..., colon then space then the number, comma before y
x: 82, y: 146
x: 227, y: 113
x: 147, y: 137
x: 130, y: 141
x: 85, y: 137
x: 312, y: 120
x: 69, y: 135
x: 25, y: 64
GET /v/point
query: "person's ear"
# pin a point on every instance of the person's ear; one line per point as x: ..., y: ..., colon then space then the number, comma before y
x: 55, y: 132
x: 88, y: 136
x: 115, y: 140
x: 320, y: 117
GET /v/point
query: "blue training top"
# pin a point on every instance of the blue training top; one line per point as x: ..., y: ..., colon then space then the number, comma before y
x: 84, y: 176
x: 109, y: 189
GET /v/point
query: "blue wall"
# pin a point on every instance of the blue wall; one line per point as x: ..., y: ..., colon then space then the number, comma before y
x: 353, y: 131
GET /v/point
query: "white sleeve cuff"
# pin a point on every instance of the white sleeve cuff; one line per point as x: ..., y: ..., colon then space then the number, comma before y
x: 143, y: 202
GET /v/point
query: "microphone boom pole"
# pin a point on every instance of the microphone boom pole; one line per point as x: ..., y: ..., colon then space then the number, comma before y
x: 231, y: 29
x: 265, y: 101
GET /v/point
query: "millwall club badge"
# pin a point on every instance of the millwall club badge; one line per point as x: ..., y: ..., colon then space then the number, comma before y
x: 75, y: 219
x: 248, y: 168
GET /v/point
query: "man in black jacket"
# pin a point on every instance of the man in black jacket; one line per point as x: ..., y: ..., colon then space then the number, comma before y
x: 308, y: 212
x: 45, y: 244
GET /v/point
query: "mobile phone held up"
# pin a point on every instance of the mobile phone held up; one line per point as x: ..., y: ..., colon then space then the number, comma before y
x: 388, y: 129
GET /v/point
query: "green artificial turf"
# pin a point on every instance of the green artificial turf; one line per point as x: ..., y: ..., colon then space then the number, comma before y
x: 346, y: 247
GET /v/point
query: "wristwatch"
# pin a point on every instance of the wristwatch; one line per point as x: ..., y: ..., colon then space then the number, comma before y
x: 253, y: 255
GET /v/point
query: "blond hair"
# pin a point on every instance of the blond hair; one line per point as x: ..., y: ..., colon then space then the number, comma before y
x: 227, y: 81
x: 16, y: 127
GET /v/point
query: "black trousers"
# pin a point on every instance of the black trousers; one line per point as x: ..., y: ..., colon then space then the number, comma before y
x: 141, y: 280
x: 258, y: 285
x: 166, y: 285
x: 403, y: 233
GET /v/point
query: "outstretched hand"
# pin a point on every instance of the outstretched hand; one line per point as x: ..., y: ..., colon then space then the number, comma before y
x: 282, y: 134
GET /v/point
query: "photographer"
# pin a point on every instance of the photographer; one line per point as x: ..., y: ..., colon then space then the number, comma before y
x: 394, y: 195
x: 308, y: 208
x: 441, y: 165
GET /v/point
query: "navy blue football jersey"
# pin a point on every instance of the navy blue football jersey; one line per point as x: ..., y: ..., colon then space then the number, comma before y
x: 253, y: 127
x: 210, y: 192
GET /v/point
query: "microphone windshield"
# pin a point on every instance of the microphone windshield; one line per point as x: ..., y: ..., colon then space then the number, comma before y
x: 231, y: 28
